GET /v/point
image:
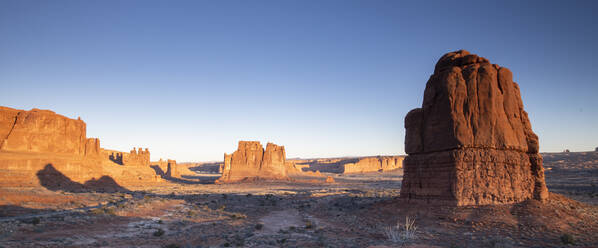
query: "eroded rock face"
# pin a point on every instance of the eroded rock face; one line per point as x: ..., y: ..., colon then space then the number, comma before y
x: 41, y: 131
x: 92, y: 147
x: 36, y: 142
x: 251, y: 161
x: 138, y: 157
x: 471, y: 143
x: 172, y: 170
x: 372, y: 164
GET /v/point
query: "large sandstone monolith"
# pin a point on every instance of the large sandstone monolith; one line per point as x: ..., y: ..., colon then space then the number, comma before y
x: 471, y: 142
x: 250, y: 161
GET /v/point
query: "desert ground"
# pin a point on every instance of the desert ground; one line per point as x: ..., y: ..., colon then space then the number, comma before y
x: 357, y: 210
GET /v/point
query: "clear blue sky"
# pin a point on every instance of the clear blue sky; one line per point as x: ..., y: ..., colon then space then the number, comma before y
x: 188, y: 79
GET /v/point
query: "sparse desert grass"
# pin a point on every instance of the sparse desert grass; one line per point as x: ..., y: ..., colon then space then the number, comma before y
x: 401, y: 233
x: 103, y: 210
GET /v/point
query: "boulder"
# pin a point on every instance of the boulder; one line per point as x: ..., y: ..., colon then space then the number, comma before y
x: 471, y: 142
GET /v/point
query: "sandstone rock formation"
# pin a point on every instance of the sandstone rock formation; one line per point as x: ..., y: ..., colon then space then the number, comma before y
x: 371, y: 164
x: 172, y: 170
x: 137, y: 157
x: 250, y: 161
x: 41, y: 131
x: 33, y: 142
x: 292, y: 168
x: 350, y: 165
x: 92, y: 147
x: 471, y: 142
x: 329, y: 179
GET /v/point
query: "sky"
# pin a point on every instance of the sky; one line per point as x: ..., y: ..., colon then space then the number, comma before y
x: 189, y: 79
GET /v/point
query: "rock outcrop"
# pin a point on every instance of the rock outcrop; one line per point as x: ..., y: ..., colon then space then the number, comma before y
x: 172, y: 170
x: 330, y: 179
x: 350, y: 165
x: 371, y: 164
x: 250, y: 161
x: 41, y: 131
x: 137, y: 157
x: 35, y: 142
x: 471, y: 142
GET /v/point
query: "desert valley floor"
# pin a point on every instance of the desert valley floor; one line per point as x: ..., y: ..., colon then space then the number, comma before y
x: 354, y: 211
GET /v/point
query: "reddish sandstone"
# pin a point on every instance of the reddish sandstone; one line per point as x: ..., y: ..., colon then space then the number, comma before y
x: 42, y: 148
x: 471, y: 143
x: 250, y: 161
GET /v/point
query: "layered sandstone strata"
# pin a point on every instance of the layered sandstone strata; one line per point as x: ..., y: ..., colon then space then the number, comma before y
x: 471, y: 143
x: 372, y: 164
x: 41, y: 131
x: 40, y: 146
x: 250, y: 161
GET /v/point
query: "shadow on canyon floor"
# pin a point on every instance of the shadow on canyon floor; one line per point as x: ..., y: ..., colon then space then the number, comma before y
x: 336, y: 167
x: 54, y: 180
x: 184, y: 179
x: 206, y: 168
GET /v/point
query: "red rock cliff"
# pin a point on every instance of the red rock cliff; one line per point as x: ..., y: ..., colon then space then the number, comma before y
x: 36, y: 142
x: 42, y: 131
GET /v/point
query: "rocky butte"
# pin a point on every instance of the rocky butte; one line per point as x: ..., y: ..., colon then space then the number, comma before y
x: 250, y: 161
x: 471, y: 142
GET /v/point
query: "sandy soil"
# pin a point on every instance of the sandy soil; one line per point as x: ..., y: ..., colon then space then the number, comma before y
x: 354, y: 211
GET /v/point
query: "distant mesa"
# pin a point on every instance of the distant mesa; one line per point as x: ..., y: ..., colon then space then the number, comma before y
x: 371, y: 164
x: 471, y: 142
x: 351, y: 165
x: 250, y: 162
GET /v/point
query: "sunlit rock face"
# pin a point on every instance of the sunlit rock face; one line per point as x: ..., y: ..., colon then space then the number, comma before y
x: 250, y: 161
x: 38, y: 146
x: 471, y: 142
x: 42, y: 131
x: 372, y: 164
